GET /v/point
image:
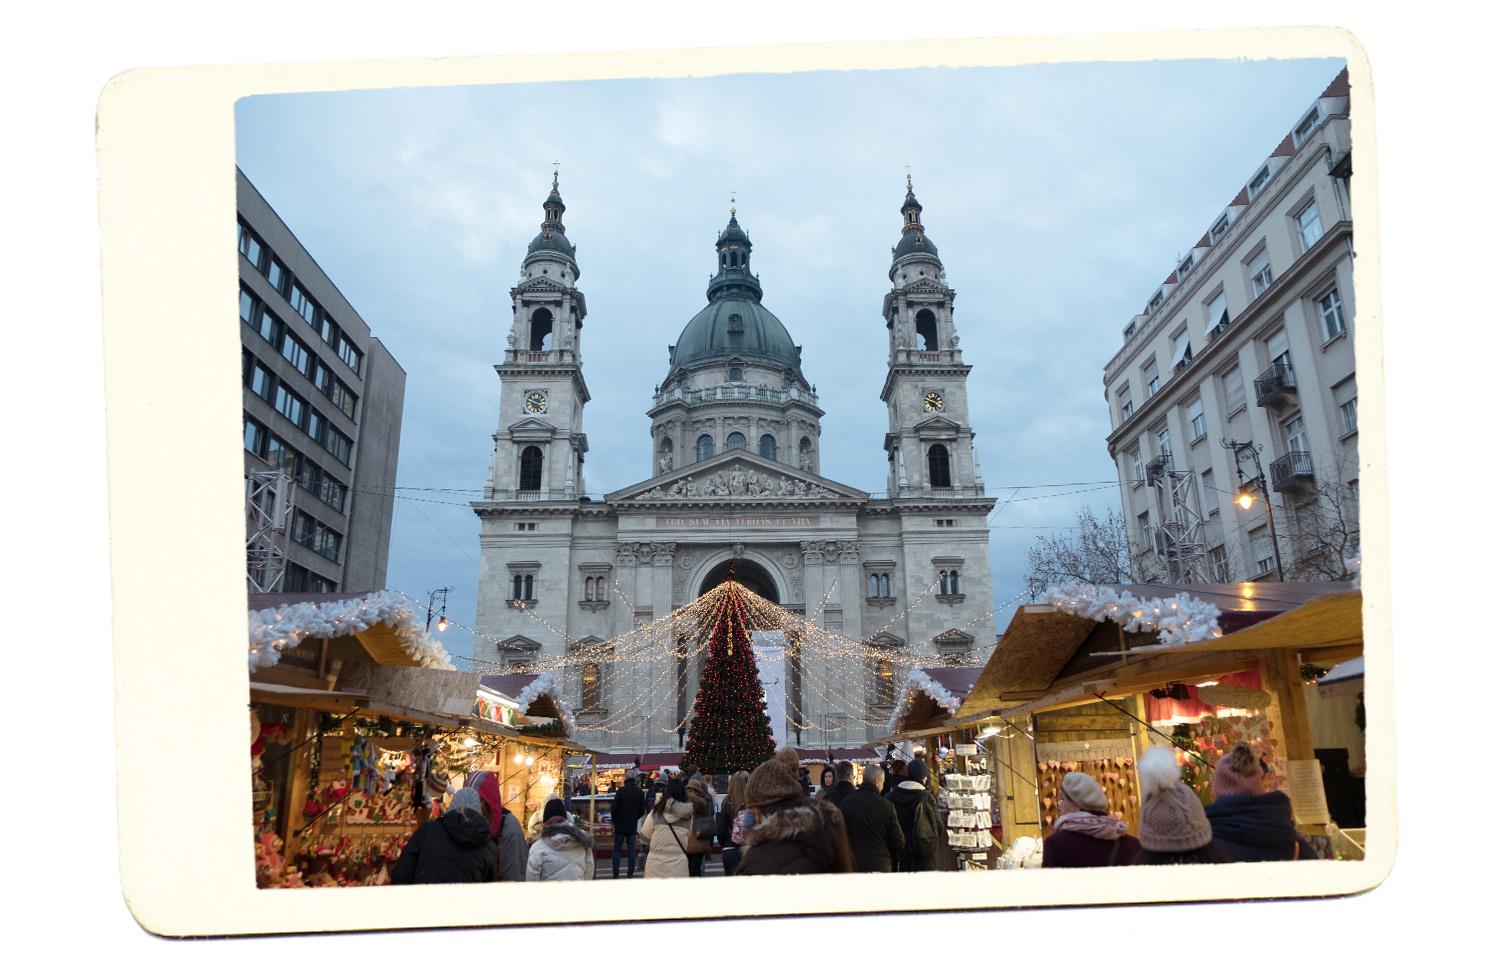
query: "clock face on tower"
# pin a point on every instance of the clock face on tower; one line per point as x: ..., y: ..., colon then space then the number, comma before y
x: 933, y: 401
x: 536, y: 402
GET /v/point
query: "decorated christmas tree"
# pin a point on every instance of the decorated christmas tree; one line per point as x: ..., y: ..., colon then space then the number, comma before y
x: 731, y: 729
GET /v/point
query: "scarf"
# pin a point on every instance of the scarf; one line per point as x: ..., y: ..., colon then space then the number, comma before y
x: 1098, y: 825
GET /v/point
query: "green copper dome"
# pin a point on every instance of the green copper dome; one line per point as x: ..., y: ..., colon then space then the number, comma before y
x: 734, y: 324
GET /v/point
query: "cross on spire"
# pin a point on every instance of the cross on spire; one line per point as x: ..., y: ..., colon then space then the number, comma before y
x: 731, y: 202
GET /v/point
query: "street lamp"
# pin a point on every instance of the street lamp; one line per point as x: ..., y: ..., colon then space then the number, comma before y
x: 432, y: 595
x: 1246, y: 498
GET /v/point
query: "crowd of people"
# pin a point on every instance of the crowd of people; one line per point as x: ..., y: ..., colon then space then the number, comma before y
x: 771, y: 822
x: 1244, y: 824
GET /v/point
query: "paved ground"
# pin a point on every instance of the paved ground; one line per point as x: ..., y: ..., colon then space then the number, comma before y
x: 604, y: 868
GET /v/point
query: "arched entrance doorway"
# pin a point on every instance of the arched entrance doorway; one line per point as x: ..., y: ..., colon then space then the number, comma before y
x: 749, y: 574
x: 755, y: 578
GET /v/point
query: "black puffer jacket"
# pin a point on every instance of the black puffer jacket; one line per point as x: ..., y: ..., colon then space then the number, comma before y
x: 1254, y: 829
x: 840, y: 792
x: 454, y: 848
x: 797, y: 835
x: 629, y: 807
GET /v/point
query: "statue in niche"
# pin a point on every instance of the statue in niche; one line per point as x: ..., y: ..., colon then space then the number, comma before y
x: 805, y: 462
x: 665, y: 464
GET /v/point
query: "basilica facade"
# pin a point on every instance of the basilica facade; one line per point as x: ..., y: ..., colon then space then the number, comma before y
x: 738, y: 487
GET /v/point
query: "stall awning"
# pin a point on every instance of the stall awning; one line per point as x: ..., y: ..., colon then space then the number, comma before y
x: 655, y: 761
x: 1044, y: 645
x: 826, y: 756
x: 352, y: 702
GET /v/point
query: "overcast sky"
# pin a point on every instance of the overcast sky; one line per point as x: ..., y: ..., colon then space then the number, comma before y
x: 1059, y: 197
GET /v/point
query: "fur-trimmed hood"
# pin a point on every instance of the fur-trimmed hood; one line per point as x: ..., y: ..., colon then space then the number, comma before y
x: 793, y: 824
x: 563, y: 836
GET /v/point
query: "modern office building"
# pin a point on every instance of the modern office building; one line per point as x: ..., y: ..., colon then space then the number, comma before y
x: 1250, y: 341
x: 735, y: 483
x: 323, y: 401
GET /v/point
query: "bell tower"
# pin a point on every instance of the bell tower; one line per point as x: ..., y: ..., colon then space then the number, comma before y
x: 930, y: 444
x: 539, y: 444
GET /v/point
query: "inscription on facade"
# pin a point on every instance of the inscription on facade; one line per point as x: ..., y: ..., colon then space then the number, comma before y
x: 733, y: 522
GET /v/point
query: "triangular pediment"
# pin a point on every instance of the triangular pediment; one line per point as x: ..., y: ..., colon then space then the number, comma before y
x: 531, y: 424
x: 953, y: 637
x: 543, y: 284
x: 938, y: 424
x: 738, y: 475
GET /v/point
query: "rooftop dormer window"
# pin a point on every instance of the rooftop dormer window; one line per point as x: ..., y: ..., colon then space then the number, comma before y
x: 736, y: 324
x: 1305, y: 126
x: 1259, y: 182
x: 1156, y: 300
x: 1220, y: 228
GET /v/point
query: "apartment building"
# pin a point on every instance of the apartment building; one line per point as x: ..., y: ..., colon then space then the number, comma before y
x: 323, y: 401
x: 1249, y: 341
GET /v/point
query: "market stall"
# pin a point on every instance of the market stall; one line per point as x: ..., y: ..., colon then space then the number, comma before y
x: 1089, y: 680
x: 360, y: 728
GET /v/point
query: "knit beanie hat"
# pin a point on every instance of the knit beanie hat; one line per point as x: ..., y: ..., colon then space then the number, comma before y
x: 1084, y: 792
x: 788, y: 755
x: 465, y: 798
x: 554, y: 810
x: 1172, y: 817
x: 916, y: 771
x: 1238, y: 773
x: 772, y: 781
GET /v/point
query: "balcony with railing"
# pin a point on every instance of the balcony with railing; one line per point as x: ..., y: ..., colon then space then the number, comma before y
x: 912, y: 355
x: 733, y: 392
x: 1291, y: 471
x: 521, y: 355
x: 1276, y: 383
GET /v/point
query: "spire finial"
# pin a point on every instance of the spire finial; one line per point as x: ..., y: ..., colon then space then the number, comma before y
x: 908, y: 180
x: 731, y: 202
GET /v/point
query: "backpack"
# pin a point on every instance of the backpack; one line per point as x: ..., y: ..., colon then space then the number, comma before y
x: 924, y: 830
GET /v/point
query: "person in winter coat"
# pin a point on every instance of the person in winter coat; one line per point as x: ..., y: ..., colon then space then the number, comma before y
x: 874, y: 831
x: 1174, y: 828
x: 844, y: 787
x: 562, y: 851
x: 920, y: 852
x: 895, y: 774
x: 1085, y: 834
x: 454, y: 848
x: 1250, y: 824
x: 505, y: 828
x: 794, y: 834
x: 698, y: 847
x: 826, y: 781
x: 666, y: 829
x: 629, y: 807
x: 731, y: 825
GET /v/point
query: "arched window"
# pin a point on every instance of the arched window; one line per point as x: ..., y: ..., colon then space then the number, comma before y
x: 531, y: 469
x: 735, y: 440
x: 874, y: 584
x: 943, y: 581
x: 599, y: 589
x: 588, y: 588
x: 885, y: 684
x: 937, y: 467
x: 885, y: 584
x: 768, y: 447
x: 590, y: 686
x: 705, y: 447
x: 927, y: 330
x: 541, y: 330
x: 521, y: 587
x: 953, y: 581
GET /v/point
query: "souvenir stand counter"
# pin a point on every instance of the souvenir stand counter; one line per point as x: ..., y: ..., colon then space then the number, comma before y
x: 1086, y: 683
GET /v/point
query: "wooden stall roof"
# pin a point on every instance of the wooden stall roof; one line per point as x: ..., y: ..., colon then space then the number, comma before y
x: 1041, y: 640
x: 543, y: 707
x: 379, y: 640
x: 918, y: 709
